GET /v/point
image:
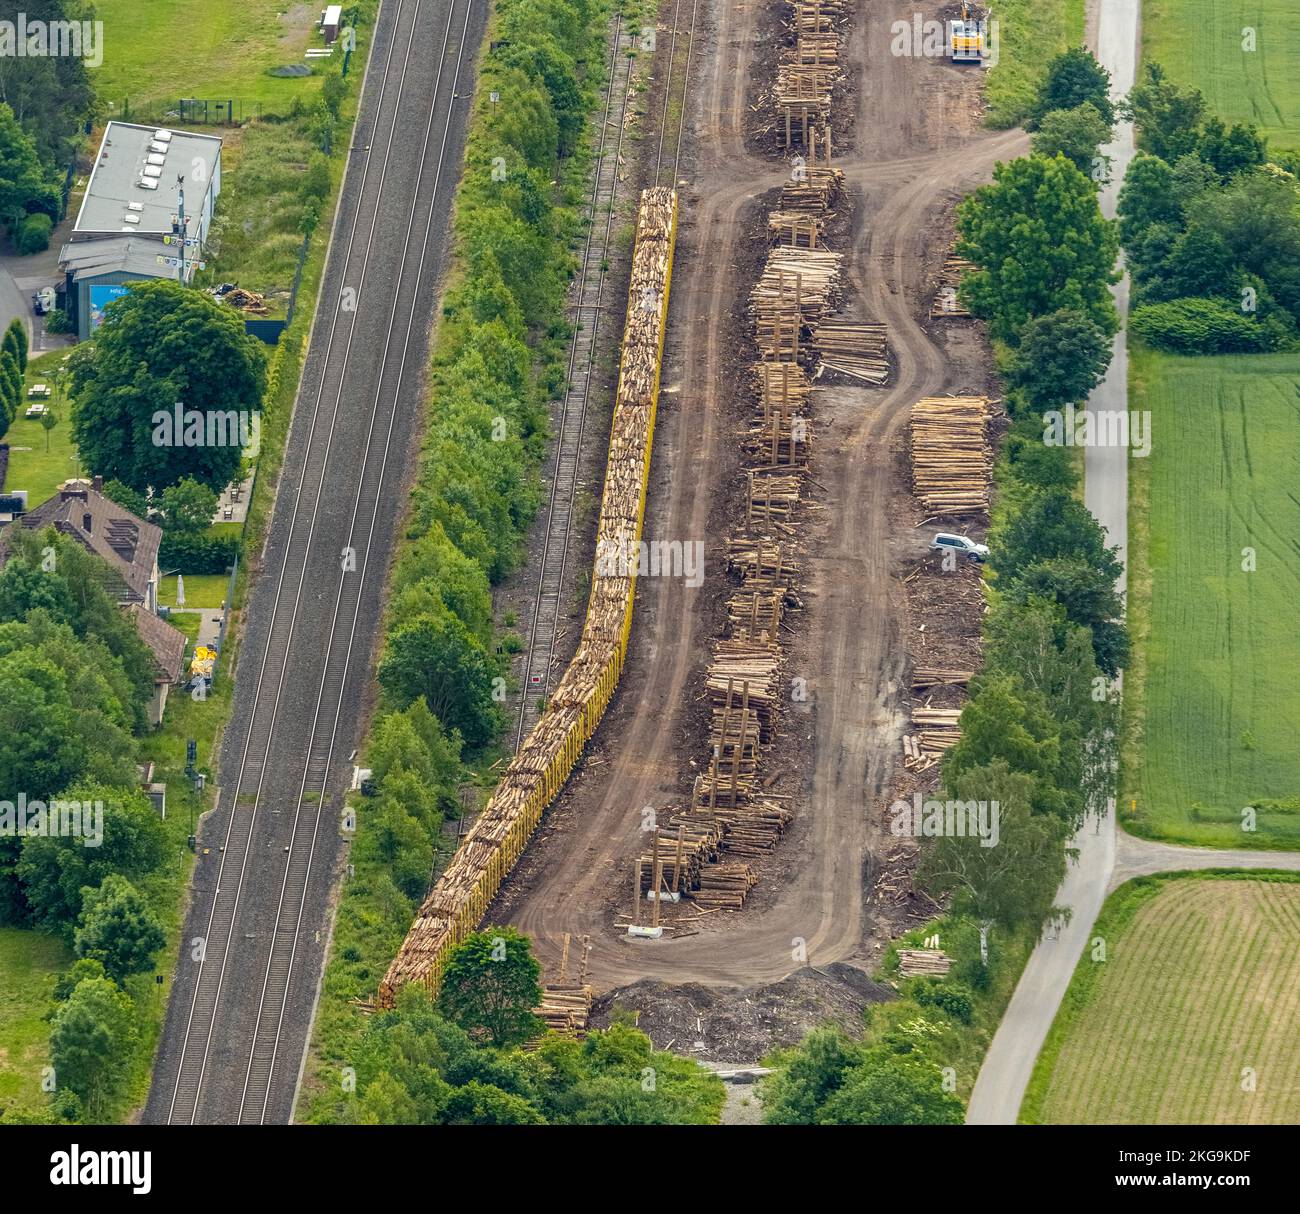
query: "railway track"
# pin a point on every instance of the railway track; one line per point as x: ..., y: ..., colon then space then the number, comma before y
x: 539, y: 657
x: 245, y: 986
x: 588, y: 304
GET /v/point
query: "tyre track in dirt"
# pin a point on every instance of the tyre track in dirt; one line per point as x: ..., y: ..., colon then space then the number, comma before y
x: 855, y: 605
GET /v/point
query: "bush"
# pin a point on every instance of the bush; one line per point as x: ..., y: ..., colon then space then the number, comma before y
x: 58, y: 321
x: 1201, y: 326
x: 198, y: 552
x: 33, y: 234
x: 951, y: 997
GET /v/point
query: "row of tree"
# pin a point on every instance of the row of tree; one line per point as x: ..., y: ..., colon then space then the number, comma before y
x: 75, y: 679
x: 457, y: 1061
x: 499, y: 360
x: 13, y: 366
x: 1210, y: 228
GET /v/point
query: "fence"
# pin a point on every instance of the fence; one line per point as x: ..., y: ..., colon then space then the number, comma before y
x: 195, y: 111
x: 461, y: 896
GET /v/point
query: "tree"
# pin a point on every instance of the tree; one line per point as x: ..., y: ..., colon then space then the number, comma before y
x: 15, y: 342
x: 1062, y: 356
x: 1168, y: 117
x: 24, y: 182
x: 1055, y: 524
x: 1073, y: 78
x: 398, y: 840
x: 1147, y: 198
x: 820, y: 1066
x: 490, y: 987
x: 1231, y: 150
x: 1041, y: 244
x: 893, y: 1089
x: 91, y: 1043
x: 1013, y: 884
x: 187, y: 506
x: 1077, y: 135
x: 435, y: 656
x: 1089, y: 598
x: 127, y: 498
x: 160, y: 345
x: 1006, y: 721
x: 117, y: 928
x: 56, y: 869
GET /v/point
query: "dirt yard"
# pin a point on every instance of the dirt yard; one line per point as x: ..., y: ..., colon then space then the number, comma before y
x: 836, y: 887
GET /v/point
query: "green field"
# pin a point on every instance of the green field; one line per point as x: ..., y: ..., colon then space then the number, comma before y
x: 1029, y: 33
x: 30, y: 962
x: 218, y: 49
x: 1197, y: 999
x: 1200, y: 43
x: 31, y: 467
x: 1212, y: 695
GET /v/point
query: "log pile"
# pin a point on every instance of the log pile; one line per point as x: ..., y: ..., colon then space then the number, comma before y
x: 951, y: 456
x: 807, y: 73
x: 853, y: 348
x: 795, y: 228
x: 936, y: 729
x: 946, y: 302
x: 914, y: 961
x: 461, y: 895
x: 565, y: 1007
x: 815, y: 191
x: 926, y: 677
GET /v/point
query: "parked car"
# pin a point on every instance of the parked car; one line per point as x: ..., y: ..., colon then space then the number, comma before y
x: 43, y: 301
x: 946, y: 541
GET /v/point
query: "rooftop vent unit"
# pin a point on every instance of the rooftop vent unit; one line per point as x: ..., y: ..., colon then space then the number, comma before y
x: 152, y: 170
x: 155, y: 158
x: 162, y: 136
x: 145, y: 184
x: 130, y: 218
x: 135, y: 206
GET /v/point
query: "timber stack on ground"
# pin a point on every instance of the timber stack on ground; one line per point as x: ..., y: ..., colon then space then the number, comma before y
x: 952, y: 460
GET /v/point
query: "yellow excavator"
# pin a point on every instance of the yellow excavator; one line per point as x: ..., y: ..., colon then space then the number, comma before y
x: 966, y: 36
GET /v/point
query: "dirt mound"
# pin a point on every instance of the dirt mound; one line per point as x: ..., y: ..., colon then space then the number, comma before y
x: 741, y: 1024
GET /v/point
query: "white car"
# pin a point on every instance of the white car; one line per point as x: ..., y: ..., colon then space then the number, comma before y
x: 945, y: 541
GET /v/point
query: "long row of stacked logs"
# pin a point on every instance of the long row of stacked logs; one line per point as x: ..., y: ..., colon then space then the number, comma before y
x: 808, y: 71
x: 704, y: 851
x: 461, y: 895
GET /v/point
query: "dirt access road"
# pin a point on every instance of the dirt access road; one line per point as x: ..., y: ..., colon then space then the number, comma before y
x: 916, y: 148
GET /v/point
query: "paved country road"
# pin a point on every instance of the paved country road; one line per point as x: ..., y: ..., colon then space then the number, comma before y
x: 241, y: 1002
x: 1009, y: 1062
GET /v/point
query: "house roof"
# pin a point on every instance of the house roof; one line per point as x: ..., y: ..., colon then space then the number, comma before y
x: 126, y: 544
x: 124, y: 154
x: 116, y: 254
x: 167, y: 644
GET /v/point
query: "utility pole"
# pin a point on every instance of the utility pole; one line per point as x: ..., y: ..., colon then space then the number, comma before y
x: 180, y: 219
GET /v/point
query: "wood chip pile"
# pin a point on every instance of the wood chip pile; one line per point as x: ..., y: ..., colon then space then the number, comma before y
x: 461, y: 895
x: 952, y: 460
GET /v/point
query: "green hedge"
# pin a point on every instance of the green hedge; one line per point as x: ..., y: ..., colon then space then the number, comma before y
x: 198, y: 552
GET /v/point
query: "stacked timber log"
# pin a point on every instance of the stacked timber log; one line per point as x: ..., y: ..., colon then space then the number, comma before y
x: 461, y: 895
x: 815, y: 190
x: 946, y: 302
x: 795, y: 228
x: 926, y: 677
x: 853, y: 348
x: 913, y: 961
x: 565, y: 1007
x: 808, y: 70
x: 951, y: 456
x: 934, y: 730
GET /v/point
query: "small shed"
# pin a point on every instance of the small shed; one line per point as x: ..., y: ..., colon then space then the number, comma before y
x: 330, y: 20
